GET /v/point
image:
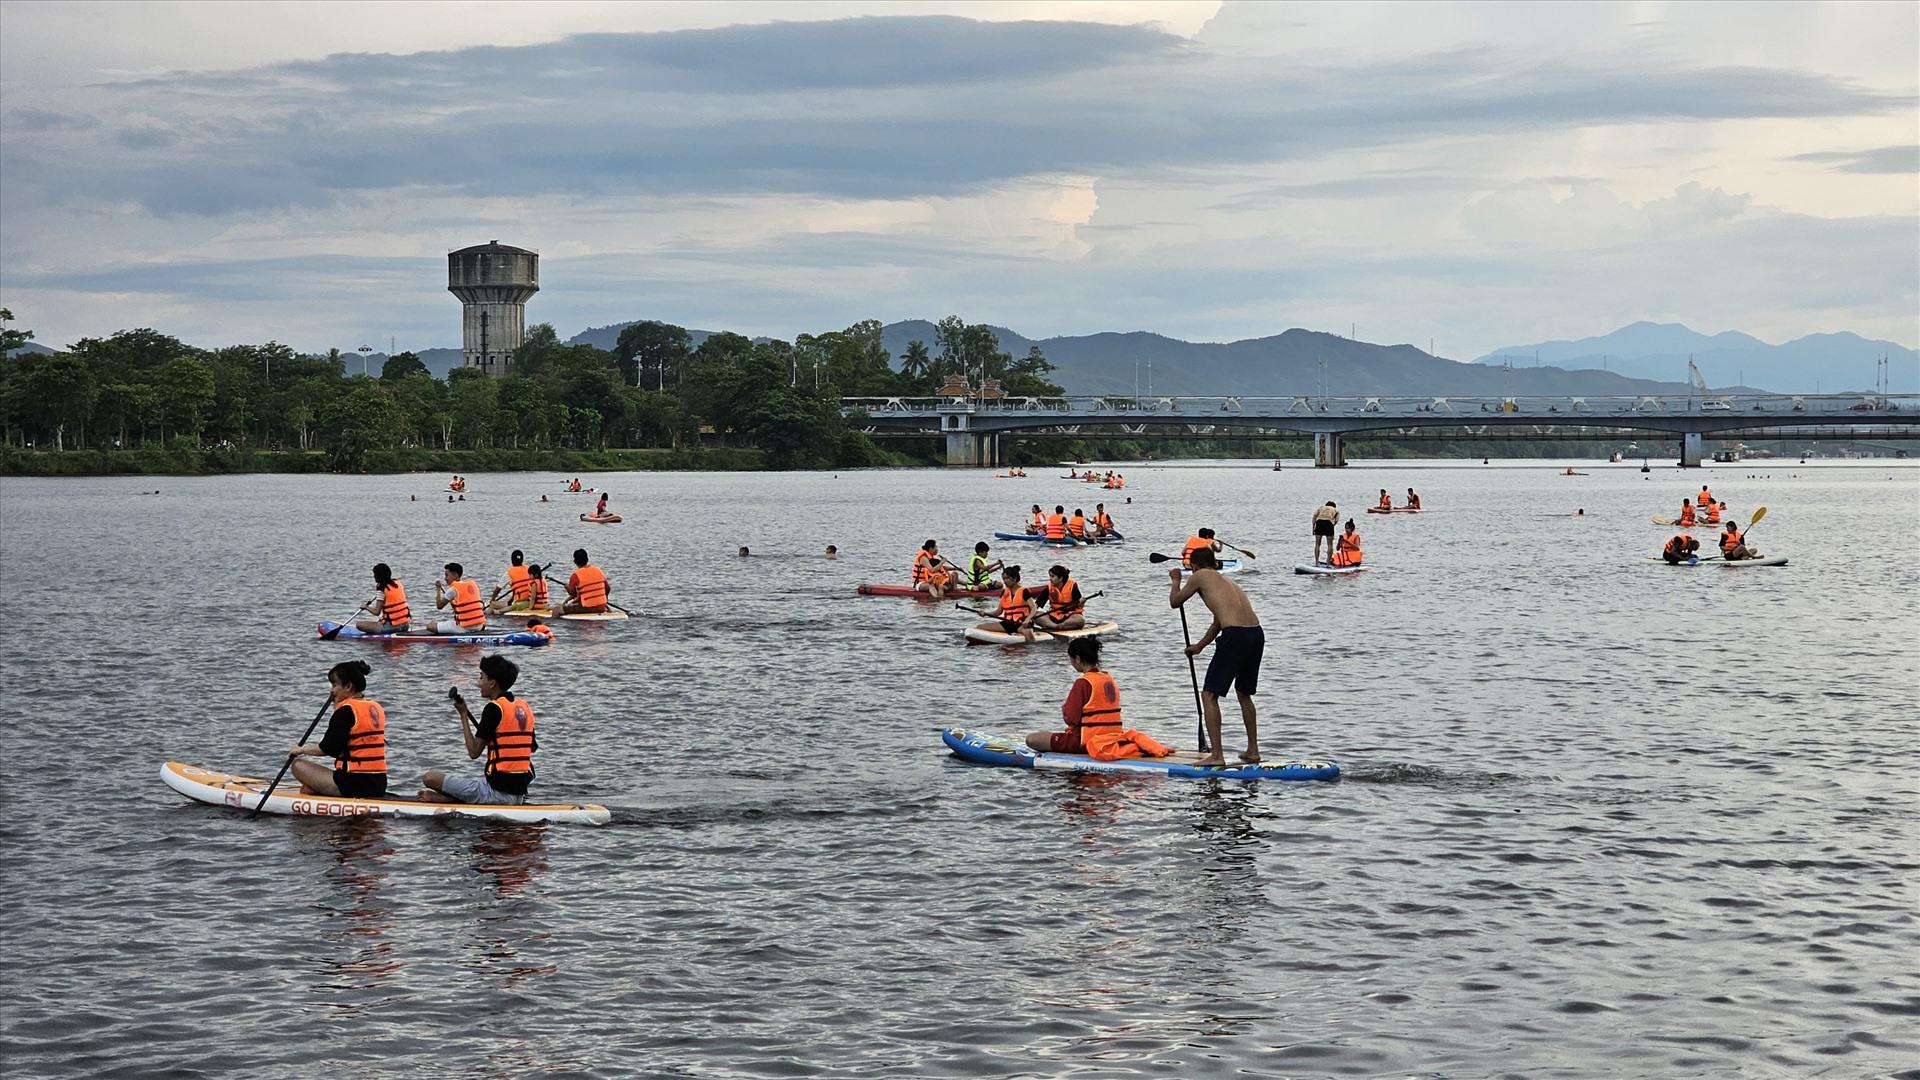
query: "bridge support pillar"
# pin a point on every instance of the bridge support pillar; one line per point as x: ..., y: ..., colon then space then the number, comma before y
x: 1690, y: 450
x: 1329, y: 452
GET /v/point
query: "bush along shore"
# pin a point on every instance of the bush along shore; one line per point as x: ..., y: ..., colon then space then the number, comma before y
x: 182, y: 461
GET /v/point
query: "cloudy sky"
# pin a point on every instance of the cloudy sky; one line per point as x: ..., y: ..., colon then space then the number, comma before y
x: 1477, y: 175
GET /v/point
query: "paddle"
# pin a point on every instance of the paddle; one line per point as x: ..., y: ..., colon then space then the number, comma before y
x: 1193, y: 676
x: 1759, y: 515
x: 563, y: 587
x: 283, y: 769
x: 329, y: 635
x: 1241, y: 550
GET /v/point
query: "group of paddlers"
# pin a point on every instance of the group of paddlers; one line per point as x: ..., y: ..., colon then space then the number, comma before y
x: 356, y: 739
x: 1343, y: 549
x: 522, y: 593
x: 1110, y: 480
x: 1077, y: 527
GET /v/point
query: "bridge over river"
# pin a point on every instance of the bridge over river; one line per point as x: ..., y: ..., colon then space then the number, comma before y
x: 976, y: 428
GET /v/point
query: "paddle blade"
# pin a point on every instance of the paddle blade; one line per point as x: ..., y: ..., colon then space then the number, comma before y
x: 1759, y: 512
x: 1156, y: 557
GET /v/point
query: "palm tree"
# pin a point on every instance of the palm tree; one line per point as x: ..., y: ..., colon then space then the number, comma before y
x: 917, y: 364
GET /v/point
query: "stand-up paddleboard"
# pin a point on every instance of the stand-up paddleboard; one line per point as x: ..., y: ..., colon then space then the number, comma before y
x: 596, y: 616
x: 352, y: 633
x: 1395, y: 510
x: 1323, y: 568
x: 1041, y: 538
x: 1570, y: 474
x: 1227, y: 566
x: 522, y: 613
x: 602, y: 519
x: 243, y: 793
x: 1775, y: 560
x: 976, y: 635
x: 1658, y: 520
x: 908, y: 590
x: 982, y: 748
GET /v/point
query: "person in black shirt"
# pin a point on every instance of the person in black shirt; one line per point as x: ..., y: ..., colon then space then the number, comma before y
x: 356, y: 739
x: 504, y: 733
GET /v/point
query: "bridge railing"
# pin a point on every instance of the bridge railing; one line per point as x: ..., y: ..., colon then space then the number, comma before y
x: 1122, y: 406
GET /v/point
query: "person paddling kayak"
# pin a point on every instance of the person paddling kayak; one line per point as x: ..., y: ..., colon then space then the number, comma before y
x: 387, y: 612
x: 1236, y: 663
x: 504, y: 733
x: 469, y: 612
x: 516, y: 590
x: 1680, y: 547
x: 1326, y: 521
x: 587, y: 587
x: 356, y: 740
x: 1092, y: 713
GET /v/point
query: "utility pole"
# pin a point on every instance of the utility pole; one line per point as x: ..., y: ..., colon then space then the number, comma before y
x: 363, y: 351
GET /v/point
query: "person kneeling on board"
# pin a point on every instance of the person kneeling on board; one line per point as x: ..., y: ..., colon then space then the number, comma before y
x: 587, y: 587
x: 387, y: 613
x: 1347, y: 551
x: 516, y: 591
x: 356, y: 740
x: 1733, y: 544
x: 930, y: 571
x: 1092, y: 712
x: 469, y: 612
x: 1679, y: 549
x: 504, y: 734
x: 1016, y: 606
x: 1236, y: 663
x: 979, y: 573
x: 1066, y: 607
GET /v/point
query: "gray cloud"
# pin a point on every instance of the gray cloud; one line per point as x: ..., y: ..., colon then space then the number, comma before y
x: 1886, y: 159
x: 874, y: 107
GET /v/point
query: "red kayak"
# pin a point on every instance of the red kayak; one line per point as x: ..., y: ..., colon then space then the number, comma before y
x: 908, y: 590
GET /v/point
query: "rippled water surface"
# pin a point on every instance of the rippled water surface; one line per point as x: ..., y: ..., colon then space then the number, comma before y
x: 1600, y: 817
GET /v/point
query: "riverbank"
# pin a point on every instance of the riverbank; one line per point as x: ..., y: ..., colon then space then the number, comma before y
x: 156, y: 461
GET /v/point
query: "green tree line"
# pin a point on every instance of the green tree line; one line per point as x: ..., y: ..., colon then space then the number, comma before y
x: 140, y: 388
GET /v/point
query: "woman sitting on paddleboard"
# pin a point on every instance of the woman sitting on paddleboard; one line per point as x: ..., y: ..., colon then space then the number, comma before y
x: 387, y: 613
x: 1066, y: 607
x: 930, y: 571
x: 504, y: 733
x: 1386, y: 500
x: 1347, y: 551
x: 1016, y: 605
x: 356, y: 739
x: 1092, y: 713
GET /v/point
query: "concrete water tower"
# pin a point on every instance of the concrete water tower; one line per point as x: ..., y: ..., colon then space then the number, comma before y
x: 495, y: 282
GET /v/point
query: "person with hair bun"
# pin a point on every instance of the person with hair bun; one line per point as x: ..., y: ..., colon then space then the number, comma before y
x: 1092, y: 713
x: 356, y: 739
x: 387, y: 613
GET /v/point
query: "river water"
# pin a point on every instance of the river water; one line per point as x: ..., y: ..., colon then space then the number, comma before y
x: 1600, y: 817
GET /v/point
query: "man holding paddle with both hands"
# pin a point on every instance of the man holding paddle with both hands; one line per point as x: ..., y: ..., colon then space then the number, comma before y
x: 1236, y: 662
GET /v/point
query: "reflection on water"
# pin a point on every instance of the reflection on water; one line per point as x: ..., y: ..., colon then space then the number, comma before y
x: 360, y: 913
x: 510, y: 858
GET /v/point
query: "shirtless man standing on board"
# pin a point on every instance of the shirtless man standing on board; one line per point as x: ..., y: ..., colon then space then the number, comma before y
x: 1236, y: 663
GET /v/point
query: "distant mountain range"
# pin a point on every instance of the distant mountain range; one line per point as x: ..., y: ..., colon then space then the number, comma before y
x: 1829, y: 362
x: 1644, y: 358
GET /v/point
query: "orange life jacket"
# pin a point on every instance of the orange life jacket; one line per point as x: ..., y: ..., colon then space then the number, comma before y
x: 1713, y: 513
x: 1104, y: 520
x: 1686, y: 514
x: 1056, y: 526
x: 1347, y: 552
x: 511, y: 750
x: 1102, y: 709
x: 1386, y: 501
x: 538, y: 589
x: 1730, y: 539
x: 520, y: 579
x: 1061, y: 602
x: 928, y: 568
x: 590, y: 587
x: 1677, y: 547
x: 542, y: 629
x: 1705, y: 499
x: 367, y: 741
x: 1014, y: 605
x: 1194, y: 543
x: 467, y: 608
x: 393, y: 605
x: 1039, y: 521
x: 1077, y: 525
